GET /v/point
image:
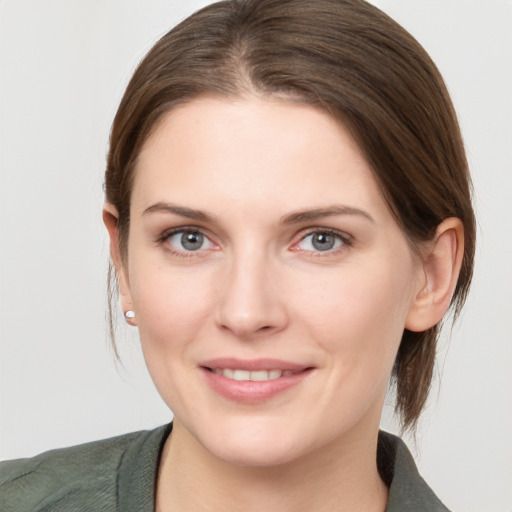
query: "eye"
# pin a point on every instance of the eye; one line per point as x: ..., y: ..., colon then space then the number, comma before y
x: 322, y: 241
x: 189, y: 241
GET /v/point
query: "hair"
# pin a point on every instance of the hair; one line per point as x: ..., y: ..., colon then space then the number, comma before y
x: 349, y: 59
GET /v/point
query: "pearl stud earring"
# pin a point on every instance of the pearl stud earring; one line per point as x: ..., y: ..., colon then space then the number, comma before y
x: 129, y: 315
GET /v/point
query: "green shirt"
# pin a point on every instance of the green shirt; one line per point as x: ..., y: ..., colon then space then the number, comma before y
x: 119, y: 474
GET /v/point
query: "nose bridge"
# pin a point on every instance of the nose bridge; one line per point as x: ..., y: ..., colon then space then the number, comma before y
x: 250, y: 301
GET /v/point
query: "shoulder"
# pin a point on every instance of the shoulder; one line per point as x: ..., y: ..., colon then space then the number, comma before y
x: 407, y: 489
x: 83, y: 477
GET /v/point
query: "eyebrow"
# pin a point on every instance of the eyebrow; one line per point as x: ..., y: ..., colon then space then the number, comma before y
x: 292, y: 218
x: 182, y: 211
x: 329, y: 211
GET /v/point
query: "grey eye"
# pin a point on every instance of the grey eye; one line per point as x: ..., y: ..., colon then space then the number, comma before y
x: 189, y: 241
x: 192, y: 241
x: 321, y: 241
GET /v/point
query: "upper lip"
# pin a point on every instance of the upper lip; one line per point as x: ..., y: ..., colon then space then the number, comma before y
x: 252, y: 364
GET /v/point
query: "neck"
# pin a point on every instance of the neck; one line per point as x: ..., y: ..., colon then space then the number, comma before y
x: 342, y: 477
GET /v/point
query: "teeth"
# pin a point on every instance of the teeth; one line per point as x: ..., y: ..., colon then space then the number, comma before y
x: 242, y: 375
x: 258, y: 375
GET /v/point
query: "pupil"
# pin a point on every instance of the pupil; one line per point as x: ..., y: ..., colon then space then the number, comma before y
x: 323, y: 241
x: 192, y: 241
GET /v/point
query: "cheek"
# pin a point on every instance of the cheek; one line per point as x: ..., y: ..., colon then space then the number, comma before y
x: 171, y: 304
x: 172, y: 312
x: 359, y: 316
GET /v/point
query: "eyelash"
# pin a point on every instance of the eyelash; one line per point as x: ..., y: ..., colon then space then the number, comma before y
x: 181, y: 230
x: 345, y: 239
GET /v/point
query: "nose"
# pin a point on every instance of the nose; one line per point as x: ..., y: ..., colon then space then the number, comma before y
x: 250, y: 302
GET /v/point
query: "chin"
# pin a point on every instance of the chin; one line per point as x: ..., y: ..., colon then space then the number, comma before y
x: 255, y: 453
x: 253, y: 443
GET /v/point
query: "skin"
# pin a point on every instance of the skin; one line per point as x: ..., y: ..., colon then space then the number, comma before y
x: 258, y: 287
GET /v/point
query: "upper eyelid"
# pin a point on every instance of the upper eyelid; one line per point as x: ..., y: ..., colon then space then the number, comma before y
x: 162, y: 238
x: 342, y: 234
x: 166, y: 233
x: 347, y: 242
x: 297, y: 238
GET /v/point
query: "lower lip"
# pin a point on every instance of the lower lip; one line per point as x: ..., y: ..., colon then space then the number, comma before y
x: 252, y: 392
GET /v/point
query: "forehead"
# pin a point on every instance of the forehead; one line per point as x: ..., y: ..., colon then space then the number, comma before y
x: 253, y: 152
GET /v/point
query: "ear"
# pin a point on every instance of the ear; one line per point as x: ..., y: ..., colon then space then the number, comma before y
x: 441, y: 264
x: 111, y: 221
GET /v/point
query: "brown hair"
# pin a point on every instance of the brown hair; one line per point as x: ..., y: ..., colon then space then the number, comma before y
x: 349, y: 59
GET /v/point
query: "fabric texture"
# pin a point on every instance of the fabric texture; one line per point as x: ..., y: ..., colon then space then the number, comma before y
x: 119, y: 474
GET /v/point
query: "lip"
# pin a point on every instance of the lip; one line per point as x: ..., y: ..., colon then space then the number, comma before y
x: 253, y: 364
x: 252, y: 392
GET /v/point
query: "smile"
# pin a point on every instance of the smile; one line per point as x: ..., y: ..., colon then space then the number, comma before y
x: 255, y: 376
x: 253, y: 381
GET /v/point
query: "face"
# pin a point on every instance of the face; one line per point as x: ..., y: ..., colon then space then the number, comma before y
x: 270, y: 282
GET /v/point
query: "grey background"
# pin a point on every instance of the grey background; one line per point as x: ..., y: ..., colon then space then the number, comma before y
x: 63, y: 68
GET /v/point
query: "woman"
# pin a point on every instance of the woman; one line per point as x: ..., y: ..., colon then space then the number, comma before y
x: 288, y: 204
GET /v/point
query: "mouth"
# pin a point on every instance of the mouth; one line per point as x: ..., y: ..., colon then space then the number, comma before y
x: 253, y: 381
x: 254, y: 376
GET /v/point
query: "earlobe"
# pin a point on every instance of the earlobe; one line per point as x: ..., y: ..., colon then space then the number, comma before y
x: 110, y: 219
x: 441, y: 266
